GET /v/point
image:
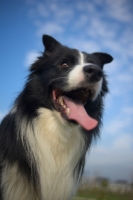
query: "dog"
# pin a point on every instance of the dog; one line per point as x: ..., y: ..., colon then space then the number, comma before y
x: 45, y: 136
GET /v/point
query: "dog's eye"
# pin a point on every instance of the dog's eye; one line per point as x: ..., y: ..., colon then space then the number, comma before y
x: 65, y: 65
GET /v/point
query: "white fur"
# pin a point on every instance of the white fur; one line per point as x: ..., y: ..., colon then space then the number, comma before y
x: 81, y: 60
x: 59, y: 147
x: 76, y: 76
x: 77, y: 79
x: 56, y: 147
x: 97, y: 87
x: 15, y: 186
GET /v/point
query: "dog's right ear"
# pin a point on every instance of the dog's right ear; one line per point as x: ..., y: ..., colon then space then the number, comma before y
x: 49, y: 43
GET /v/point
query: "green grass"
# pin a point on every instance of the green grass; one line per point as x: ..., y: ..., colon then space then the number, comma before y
x: 100, y: 194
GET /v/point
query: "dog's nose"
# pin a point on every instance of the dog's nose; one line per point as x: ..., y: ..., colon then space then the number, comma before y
x: 93, y: 72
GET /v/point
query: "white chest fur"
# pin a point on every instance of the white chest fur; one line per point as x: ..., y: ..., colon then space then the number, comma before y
x: 59, y: 146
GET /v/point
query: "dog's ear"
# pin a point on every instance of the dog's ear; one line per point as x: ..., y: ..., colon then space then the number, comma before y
x: 103, y: 57
x: 49, y: 43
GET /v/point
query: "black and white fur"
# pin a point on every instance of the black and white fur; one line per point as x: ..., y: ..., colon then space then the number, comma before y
x: 42, y: 155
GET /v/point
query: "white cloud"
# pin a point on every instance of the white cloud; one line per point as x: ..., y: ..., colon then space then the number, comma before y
x: 85, y: 6
x: 100, y: 29
x: 128, y: 110
x: 118, y: 124
x: 125, y: 77
x: 63, y: 14
x: 123, y: 142
x: 114, y: 161
x: 83, y: 45
x: 102, y: 32
x: 117, y: 154
x: 113, y: 156
x: 49, y: 28
x: 31, y: 2
x: 81, y: 22
x: 88, y: 46
x: 120, y: 10
x: 97, y: 26
x: 30, y: 58
x: 53, y: 11
x: 41, y: 10
x: 113, y: 68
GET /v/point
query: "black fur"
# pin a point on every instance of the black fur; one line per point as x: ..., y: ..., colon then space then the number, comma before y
x: 36, y: 94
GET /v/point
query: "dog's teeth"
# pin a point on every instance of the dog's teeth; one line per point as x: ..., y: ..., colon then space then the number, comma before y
x: 61, y: 101
x: 64, y: 106
x: 67, y: 111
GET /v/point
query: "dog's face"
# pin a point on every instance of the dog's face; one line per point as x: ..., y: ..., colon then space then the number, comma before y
x: 72, y: 77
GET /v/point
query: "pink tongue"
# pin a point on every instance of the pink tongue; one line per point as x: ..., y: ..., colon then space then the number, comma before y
x: 79, y: 114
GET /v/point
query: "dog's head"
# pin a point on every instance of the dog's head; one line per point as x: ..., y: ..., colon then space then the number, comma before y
x: 71, y: 79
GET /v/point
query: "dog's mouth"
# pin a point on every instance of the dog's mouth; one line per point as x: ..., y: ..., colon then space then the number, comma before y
x: 71, y: 106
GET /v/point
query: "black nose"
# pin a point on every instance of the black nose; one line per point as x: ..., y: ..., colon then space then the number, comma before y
x: 93, y: 72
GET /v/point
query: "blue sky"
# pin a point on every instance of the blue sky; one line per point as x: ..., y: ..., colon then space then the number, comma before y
x: 95, y: 25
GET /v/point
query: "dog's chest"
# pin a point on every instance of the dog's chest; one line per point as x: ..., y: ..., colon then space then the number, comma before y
x: 59, y: 148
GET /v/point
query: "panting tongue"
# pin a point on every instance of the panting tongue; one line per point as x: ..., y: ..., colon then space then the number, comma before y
x: 79, y: 114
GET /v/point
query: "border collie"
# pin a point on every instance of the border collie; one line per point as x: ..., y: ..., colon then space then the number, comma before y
x: 45, y: 136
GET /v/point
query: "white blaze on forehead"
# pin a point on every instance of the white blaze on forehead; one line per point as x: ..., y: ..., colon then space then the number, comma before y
x: 76, y: 75
x: 81, y: 58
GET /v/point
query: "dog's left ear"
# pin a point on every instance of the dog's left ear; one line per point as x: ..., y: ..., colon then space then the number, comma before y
x: 104, y: 57
x: 49, y: 43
